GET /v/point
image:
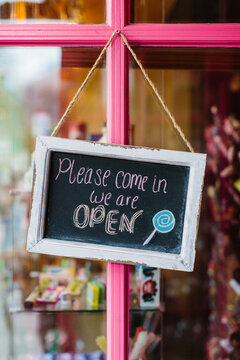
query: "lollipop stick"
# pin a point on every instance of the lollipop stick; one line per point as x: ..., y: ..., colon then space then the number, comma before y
x: 150, y: 237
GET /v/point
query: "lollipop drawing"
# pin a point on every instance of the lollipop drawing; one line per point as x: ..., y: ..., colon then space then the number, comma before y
x: 163, y: 222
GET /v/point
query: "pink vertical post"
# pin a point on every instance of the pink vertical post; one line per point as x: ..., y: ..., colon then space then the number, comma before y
x: 117, y: 133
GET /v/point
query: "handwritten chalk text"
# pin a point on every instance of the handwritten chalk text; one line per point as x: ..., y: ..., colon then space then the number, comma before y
x: 114, y: 222
x: 129, y: 181
x: 83, y: 175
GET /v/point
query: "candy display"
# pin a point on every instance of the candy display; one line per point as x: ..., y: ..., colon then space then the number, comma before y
x: 102, y: 289
x: 141, y: 342
x: 75, y: 287
x: 92, y: 295
x: 96, y: 355
x: 50, y: 296
x: 101, y: 341
x: 148, y: 283
x: 223, y: 144
x: 67, y: 287
x: 31, y: 299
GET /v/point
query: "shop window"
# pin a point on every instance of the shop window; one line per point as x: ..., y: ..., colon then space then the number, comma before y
x: 36, y: 86
x: 202, y: 89
x: 185, y: 11
x: 53, y: 11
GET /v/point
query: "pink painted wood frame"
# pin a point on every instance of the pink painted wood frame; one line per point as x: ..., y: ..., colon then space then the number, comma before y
x: 54, y: 35
x: 184, y: 35
x: 181, y: 35
x: 117, y: 133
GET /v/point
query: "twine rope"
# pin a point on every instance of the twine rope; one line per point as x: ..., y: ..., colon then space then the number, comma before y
x: 149, y: 81
x: 175, y: 124
x: 72, y: 102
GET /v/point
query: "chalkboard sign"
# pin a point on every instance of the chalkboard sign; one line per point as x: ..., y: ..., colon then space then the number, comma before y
x: 116, y: 203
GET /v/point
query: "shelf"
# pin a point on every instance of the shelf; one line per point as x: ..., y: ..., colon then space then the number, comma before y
x: 77, y: 305
x: 53, y: 311
x: 79, y: 311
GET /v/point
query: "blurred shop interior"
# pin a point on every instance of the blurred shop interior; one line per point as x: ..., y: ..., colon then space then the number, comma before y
x: 175, y: 316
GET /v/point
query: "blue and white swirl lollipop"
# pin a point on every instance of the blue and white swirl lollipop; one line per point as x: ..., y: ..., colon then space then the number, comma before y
x: 163, y: 222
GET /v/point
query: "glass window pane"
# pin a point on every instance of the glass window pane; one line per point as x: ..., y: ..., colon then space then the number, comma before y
x: 201, y: 87
x: 185, y: 11
x: 36, y: 87
x: 146, y: 313
x: 53, y: 11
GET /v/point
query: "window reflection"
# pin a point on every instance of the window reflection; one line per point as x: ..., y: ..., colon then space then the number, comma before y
x: 201, y: 87
x: 36, y: 85
x: 52, y: 11
x: 185, y: 11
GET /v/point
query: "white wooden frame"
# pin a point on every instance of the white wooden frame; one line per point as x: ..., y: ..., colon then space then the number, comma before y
x: 38, y: 244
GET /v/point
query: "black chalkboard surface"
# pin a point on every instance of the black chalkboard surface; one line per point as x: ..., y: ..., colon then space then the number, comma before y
x: 116, y: 203
x: 113, y: 201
